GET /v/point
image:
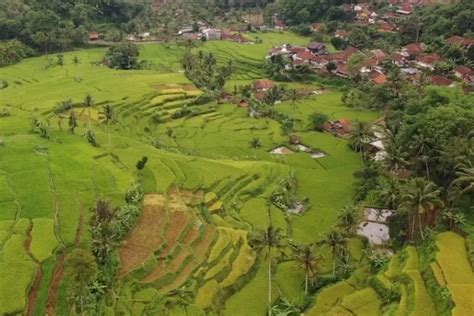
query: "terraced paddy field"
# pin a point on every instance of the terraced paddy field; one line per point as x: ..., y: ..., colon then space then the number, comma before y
x: 205, y: 192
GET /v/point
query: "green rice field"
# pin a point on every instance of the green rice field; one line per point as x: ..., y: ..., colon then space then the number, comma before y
x: 206, y: 191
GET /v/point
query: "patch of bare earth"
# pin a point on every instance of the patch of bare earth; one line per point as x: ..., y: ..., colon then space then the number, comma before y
x: 54, y: 285
x: 146, y: 236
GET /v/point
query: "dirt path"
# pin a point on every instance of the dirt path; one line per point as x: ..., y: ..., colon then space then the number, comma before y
x: 33, y: 291
x: 54, y: 286
x: 80, y: 227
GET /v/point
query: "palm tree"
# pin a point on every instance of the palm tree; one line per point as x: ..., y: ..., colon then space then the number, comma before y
x: 103, y: 229
x: 420, y: 147
x: 269, y: 238
x: 308, y: 261
x: 107, y: 116
x: 389, y: 192
x: 348, y: 218
x: 272, y: 95
x: 336, y: 241
x: 88, y: 103
x: 82, y: 269
x: 419, y: 198
x: 72, y: 122
x: 360, y: 136
x: 465, y: 177
x: 293, y: 97
x: 394, y: 158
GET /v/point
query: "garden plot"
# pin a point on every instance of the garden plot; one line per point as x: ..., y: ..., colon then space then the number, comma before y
x: 375, y: 227
x: 457, y: 272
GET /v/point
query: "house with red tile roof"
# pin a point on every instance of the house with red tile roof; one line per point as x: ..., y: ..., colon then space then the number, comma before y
x: 440, y: 81
x: 94, y: 36
x: 342, y: 34
x: 279, y: 24
x: 398, y: 59
x: 263, y: 85
x: 428, y: 61
x: 380, y: 79
x: 460, y: 41
x: 464, y: 73
x: 340, y: 127
x: 316, y: 27
x: 413, y: 49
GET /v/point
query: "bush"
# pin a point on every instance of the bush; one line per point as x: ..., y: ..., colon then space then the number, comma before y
x: 123, y: 56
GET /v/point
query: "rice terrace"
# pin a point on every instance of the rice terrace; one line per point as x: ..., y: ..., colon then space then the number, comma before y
x: 250, y: 157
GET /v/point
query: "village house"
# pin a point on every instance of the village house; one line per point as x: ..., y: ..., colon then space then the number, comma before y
x: 413, y: 49
x: 463, y: 42
x: 263, y: 85
x: 339, y: 128
x: 212, y: 34
x: 441, y: 81
x: 94, y: 36
x: 428, y: 61
x: 316, y: 27
x: 342, y: 34
x: 380, y: 79
x: 385, y: 27
x: 279, y: 24
x: 398, y: 59
x: 317, y: 48
x: 464, y: 73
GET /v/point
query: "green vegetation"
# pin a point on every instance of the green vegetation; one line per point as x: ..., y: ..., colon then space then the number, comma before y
x: 132, y: 183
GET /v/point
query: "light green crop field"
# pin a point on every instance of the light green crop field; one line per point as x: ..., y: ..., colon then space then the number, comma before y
x: 47, y: 186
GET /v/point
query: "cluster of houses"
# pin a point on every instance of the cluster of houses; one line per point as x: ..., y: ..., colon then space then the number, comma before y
x: 211, y: 34
x: 413, y: 60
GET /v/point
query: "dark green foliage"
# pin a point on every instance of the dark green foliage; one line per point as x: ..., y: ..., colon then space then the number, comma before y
x: 90, y: 135
x: 123, y: 56
x: 12, y: 52
x: 141, y: 163
x: 202, y: 69
x: 317, y: 120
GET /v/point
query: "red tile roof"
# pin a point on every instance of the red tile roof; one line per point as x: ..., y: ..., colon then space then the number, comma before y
x: 429, y: 59
x: 414, y: 48
x: 459, y: 40
x: 440, y: 81
x: 380, y: 79
x: 464, y: 71
x: 263, y: 84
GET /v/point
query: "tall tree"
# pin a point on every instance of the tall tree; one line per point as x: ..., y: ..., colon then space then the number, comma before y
x: 360, y: 136
x: 88, y: 103
x: 268, y: 239
x: 420, y: 198
x: 81, y: 267
x: 336, y: 241
x: 307, y: 259
x: 107, y: 116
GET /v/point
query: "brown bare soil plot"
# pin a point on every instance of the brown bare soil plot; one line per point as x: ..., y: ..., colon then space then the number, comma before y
x: 54, y: 285
x: 146, y: 237
x: 178, y: 222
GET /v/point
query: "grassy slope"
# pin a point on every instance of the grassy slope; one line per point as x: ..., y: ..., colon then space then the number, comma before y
x: 67, y: 174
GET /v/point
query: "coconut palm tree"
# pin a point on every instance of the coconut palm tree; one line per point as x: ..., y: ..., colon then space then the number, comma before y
x: 307, y: 259
x: 72, y: 122
x: 88, y: 103
x: 465, y: 177
x: 360, y: 136
x: 348, y: 218
x: 268, y: 239
x: 389, y: 192
x: 419, y: 199
x: 336, y: 241
x: 394, y: 158
x: 420, y: 147
x: 107, y: 116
